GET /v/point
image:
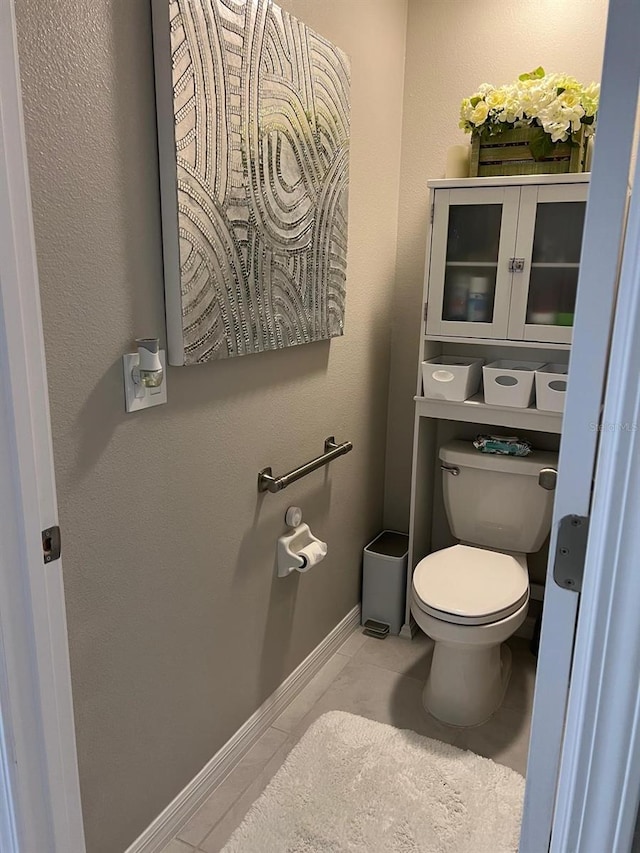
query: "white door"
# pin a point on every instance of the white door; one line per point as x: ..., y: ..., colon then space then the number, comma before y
x: 39, y: 790
x: 472, y: 240
x: 603, y: 238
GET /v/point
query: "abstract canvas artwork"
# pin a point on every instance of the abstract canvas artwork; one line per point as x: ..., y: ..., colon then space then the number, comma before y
x: 253, y: 121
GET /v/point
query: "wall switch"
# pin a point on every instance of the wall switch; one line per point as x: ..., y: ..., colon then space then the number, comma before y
x: 136, y: 395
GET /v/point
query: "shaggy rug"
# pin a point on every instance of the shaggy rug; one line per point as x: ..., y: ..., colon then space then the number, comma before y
x: 354, y: 785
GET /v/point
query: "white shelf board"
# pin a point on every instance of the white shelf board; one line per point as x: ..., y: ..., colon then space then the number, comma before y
x: 555, y: 266
x: 497, y: 342
x: 476, y: 411
x: 473, y: 264
x: 511, y: 180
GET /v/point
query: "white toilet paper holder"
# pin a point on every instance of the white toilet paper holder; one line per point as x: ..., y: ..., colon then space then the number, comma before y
x: 298, y: 539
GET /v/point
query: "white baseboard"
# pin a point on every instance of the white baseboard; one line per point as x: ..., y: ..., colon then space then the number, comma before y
x: 183, y: 807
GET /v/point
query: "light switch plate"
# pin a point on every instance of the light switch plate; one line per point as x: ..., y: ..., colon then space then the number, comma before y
x: 152, y: 396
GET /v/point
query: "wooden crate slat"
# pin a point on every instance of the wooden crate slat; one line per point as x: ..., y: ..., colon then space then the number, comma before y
x: 508, y: 153
x: 531, y: 167
x: 519, y: 152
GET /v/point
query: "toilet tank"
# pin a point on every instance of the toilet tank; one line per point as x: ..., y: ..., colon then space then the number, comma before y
x: 497, y: 501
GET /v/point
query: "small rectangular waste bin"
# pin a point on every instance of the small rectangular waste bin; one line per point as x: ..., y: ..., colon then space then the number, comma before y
x: 384, y: 579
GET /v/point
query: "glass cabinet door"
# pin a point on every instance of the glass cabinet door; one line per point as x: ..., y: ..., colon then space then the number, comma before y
x: 550, y: 241
x: 473, y: 238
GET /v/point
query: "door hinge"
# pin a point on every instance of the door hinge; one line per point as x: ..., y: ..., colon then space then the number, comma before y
x: 425, y: 312
x: 51, y: 544
x: 571, y: 551
x: 431, y: 213
x: 516, y: 264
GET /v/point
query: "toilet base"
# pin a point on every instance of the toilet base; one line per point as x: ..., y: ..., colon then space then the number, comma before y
x: 466, y: 684
x: 470, y: 669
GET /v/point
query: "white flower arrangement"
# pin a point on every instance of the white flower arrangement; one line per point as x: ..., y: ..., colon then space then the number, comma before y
x: 556, y: 103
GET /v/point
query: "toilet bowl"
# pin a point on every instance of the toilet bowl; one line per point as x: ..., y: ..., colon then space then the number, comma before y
x: 473, y: 596
x: 469, y: 601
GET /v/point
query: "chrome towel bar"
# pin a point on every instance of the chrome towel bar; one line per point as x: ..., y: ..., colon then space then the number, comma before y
x: 268, y: 483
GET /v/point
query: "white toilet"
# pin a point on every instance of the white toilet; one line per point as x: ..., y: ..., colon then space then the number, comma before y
x: 471, y: 597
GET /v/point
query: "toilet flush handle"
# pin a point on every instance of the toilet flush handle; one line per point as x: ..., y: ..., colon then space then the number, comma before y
x: 547, y: 478
x: 452, y: 469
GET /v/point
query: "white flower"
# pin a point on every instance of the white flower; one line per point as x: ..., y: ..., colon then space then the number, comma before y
x: 512, y: 110
x: 555, y: 102
x: 466, y: 109
x: 590, y: 99
x: 495, y: 99
x: 557, y: 131
x: 480, y: 113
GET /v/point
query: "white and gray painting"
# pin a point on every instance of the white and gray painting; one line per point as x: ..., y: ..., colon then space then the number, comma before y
x: 261, y: 126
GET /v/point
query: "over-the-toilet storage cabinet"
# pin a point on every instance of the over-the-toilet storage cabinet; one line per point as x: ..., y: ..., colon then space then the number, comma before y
x: 519, y: 239
x: 524, y: 241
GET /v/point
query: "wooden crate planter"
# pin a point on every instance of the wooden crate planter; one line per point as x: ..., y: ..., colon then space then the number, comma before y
x: 508, y: 153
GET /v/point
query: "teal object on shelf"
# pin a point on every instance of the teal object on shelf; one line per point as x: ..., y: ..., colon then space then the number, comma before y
x: 502, y: 445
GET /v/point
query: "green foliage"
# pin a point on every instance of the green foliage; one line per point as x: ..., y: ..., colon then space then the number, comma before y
x: 537, y: 74
x: 540, y: 144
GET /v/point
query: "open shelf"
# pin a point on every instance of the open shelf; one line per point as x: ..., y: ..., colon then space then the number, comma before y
x: 476, y: 411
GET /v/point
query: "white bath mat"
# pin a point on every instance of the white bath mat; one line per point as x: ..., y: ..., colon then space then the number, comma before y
x: 354, y: 785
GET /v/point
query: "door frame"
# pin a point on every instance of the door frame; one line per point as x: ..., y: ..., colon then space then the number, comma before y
x: 545, y: 812
x: 599, y: 781
x: 40, y: 804
x: 38, y: 764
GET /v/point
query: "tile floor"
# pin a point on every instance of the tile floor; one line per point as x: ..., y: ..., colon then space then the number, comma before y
x: 378, y: 679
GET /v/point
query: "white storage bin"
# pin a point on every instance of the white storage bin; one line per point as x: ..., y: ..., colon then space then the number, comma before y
x: 451, y: 377
x: 510, y: 383
x: 551, y: 387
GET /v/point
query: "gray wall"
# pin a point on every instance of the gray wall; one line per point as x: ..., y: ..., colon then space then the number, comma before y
x: 450, y: 51
x: 178, y: 629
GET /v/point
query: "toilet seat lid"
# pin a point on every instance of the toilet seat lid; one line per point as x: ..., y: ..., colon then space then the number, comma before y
x: 470, y: 585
